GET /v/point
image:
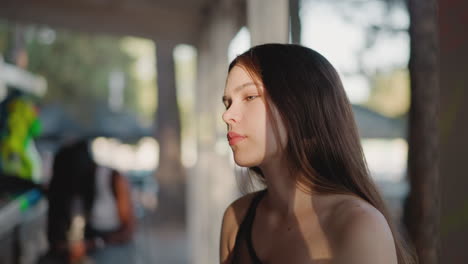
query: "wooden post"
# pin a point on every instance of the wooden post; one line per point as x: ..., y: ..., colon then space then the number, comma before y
x: 422, y: 209
x: 170, y: 174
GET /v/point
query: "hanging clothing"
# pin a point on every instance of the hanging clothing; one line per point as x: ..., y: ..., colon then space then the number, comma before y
x: 104, y: 213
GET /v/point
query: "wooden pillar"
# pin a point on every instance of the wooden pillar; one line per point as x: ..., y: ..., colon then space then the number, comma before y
x: 170, y: 173
x: 422, y: 209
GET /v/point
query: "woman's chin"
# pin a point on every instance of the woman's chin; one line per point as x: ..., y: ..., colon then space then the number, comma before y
x: 246, y: 162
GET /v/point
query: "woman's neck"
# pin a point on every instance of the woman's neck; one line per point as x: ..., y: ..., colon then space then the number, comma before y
x: 284, y: 197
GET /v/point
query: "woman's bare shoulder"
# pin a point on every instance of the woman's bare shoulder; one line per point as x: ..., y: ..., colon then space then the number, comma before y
x: 233, y: 216
x: 236, y: 211
x: 361, y: 233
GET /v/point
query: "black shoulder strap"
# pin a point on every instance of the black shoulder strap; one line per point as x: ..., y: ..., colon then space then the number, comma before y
x: 245, y: 229
x: 250, y: 247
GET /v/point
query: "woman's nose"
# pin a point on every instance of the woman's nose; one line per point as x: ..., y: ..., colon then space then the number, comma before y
x: 230, y: 116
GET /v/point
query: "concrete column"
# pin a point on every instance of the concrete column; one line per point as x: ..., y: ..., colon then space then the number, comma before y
x: 268, y: 21
x: 212, y: 184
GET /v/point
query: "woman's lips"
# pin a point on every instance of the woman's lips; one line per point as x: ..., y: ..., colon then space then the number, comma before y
x: 234, y: 138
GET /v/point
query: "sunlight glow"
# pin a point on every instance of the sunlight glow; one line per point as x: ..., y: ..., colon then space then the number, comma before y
x: 112, y: 153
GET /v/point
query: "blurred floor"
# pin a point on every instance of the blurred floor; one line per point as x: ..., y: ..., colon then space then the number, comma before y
x: 152, y: 244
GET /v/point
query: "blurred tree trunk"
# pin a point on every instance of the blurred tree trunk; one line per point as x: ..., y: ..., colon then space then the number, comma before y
x: 170, y: 174
x: 295, y: 21
x: 422, y: 208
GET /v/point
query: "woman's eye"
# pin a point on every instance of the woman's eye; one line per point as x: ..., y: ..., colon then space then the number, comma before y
x: 250, y: 98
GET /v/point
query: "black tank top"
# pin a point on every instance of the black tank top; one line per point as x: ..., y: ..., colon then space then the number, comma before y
x: 243, y: 249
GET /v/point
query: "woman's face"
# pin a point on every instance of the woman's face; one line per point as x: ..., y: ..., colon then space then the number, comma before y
x: 250, y: 130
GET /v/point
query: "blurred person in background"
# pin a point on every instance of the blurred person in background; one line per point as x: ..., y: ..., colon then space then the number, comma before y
x: 89, y: 206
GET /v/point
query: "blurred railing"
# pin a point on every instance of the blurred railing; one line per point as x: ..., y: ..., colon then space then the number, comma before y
x: 12, y: 76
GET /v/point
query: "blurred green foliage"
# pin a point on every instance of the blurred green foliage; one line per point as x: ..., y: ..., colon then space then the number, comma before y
x: 390, y: 94
x: 76, y: 65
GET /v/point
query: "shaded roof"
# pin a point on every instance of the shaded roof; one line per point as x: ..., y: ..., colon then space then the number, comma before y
x: 57, y: 124
x: 180, y: 21
x: 374, y: 125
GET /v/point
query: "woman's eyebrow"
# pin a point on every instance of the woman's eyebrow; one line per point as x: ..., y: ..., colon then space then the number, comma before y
x: 238, y: 88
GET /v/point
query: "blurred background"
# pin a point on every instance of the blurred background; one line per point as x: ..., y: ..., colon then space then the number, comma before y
x: 141, y: 82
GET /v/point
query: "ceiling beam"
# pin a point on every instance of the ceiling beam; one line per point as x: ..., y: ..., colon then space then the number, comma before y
x: 120, y: 18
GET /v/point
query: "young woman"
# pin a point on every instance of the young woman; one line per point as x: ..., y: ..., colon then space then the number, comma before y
x: 290, y: 122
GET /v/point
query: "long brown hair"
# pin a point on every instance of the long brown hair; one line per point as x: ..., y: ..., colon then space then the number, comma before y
x: 322, y: 137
